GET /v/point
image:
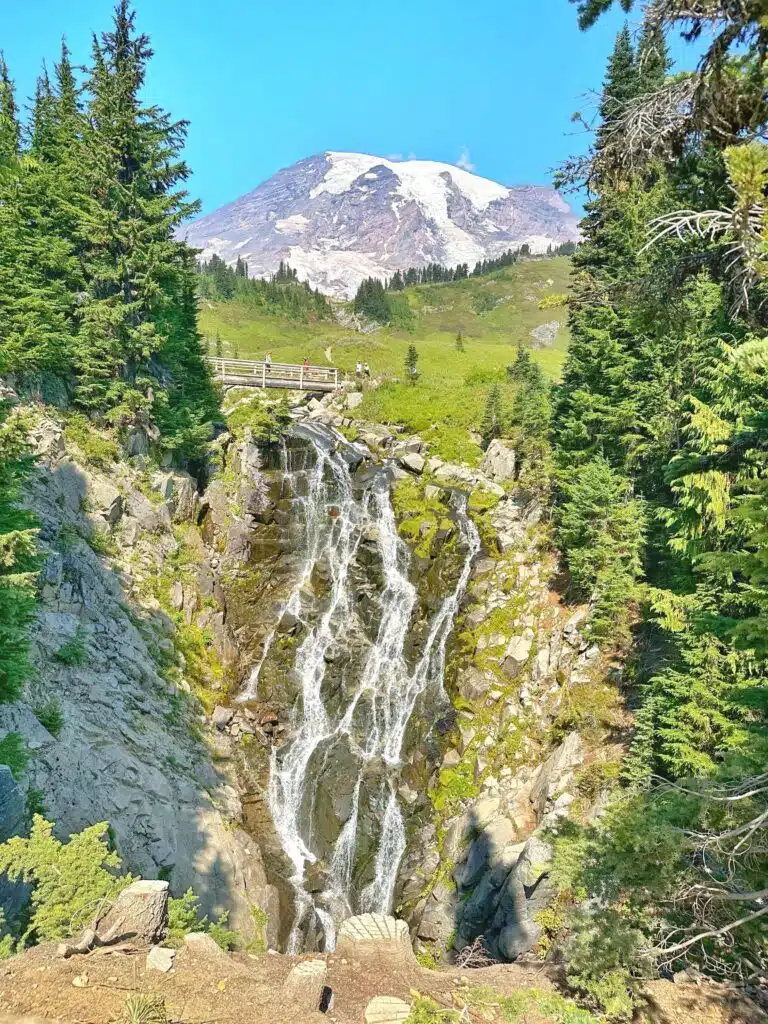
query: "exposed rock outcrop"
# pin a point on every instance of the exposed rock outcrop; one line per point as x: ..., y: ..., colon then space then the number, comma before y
x: 123, y: 744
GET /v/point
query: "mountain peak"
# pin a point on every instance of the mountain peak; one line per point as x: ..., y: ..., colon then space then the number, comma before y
x: 340, y: 217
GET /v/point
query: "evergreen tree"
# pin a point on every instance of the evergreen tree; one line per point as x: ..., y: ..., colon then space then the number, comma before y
x: 18, y: 555
x: 43, y: 140
x: 491, y: 424
x: 136, y: 270
x: 459, y: 342
x: 411, y: 365
x: 10, y: 130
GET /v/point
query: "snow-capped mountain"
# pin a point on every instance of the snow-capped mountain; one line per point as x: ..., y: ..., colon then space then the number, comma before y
x: 340, y: 217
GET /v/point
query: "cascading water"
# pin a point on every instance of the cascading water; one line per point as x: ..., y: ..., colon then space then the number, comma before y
x: 360, y: 719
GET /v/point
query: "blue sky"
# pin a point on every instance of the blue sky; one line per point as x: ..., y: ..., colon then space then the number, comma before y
x: 489, y: 82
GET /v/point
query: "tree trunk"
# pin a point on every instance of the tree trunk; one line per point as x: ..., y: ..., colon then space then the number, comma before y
x: 139, y: 915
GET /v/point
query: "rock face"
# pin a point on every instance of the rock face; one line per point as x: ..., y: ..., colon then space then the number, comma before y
x: 340, y: 217
x: 522, y: 651
x: 124, y: 752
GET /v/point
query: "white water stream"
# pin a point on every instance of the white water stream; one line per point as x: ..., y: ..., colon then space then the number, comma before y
x: 373, y: 714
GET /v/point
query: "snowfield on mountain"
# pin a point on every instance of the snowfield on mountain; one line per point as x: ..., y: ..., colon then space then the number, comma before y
x: 338, y: 218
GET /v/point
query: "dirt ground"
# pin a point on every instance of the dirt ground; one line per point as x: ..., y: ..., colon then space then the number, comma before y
x: 219, y: 988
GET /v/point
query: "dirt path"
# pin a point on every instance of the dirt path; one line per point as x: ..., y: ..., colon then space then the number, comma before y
x: 219, y: 988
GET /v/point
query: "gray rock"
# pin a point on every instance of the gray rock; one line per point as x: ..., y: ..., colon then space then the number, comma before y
x: 525, y: 892
x: 499, y: 461
x: 160, y: 958
x: 438, y: 921
x: 137, y: 441
x: 413, y: 461
x: 221, y: 716
x: 474, y: 684
x: 12, y: 808
x: 200, y: 944
x: 105, y: 499
x: 354, y: 399
x: 483, y: 811
x: 558, y: 766
x: 484, y: 851
x: 517, y: 653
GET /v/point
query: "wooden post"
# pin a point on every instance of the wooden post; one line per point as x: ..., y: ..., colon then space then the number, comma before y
x: 301, y: 378
x: 264, y: 375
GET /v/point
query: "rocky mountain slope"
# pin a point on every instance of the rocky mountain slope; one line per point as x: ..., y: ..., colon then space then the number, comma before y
x: 340, y: 217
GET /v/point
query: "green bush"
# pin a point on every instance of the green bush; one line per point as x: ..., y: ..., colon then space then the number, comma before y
x: 70, y: 880
x: 184, y: 917
x: 601, y: 529
x: 598, y: 954
x: 49, y: 715
x: 74, y: 651
x: 19, y: 556
x: 14, y: 753
x: 265, y: 423
x: 97, y: 449
x: 6, y: 942
x: 552, y: 300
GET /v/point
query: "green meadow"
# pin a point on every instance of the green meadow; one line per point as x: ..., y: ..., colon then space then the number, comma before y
x: 494, y: 314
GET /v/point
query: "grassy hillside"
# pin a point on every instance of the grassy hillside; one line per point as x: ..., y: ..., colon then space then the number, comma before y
x: 494, y: 314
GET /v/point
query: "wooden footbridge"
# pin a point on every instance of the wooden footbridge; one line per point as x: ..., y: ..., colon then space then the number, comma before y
x: 250, y: 373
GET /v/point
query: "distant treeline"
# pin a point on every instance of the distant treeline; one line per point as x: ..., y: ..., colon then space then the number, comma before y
x: 282, y: 294
x: 436, y: 273
x: 374, y: 298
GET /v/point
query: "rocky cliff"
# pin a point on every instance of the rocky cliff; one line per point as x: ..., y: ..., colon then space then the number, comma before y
x: 107, y: 718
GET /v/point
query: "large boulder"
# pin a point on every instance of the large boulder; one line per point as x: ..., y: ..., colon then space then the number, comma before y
x: 517, y: 654
x: 484, y: 851
x: 556, y: 772
x: 499, y: 461
x: 104, y: 499
x: 526, y: 891
x: 412, y: 461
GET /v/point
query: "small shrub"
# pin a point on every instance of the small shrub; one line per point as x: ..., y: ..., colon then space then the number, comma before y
x: 102, y: 542
x: 484, y: 302
x: 14, y: 753
x: 184, y: 917
x: 594, y: 776
x: 35, y: 801
x: 258, y: 944
x: 141, y: 1008
x: 74, y: 651
x: 597, y: 953
x: 427, y: 958
x: 49, y: 714
x: 97, y: 449
x: 553, y: 299
x: 6, y: 942
x: 426, y: 1011
x: 70, y: 879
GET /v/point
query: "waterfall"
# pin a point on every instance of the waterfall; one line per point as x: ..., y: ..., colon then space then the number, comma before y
x: 366, y: 718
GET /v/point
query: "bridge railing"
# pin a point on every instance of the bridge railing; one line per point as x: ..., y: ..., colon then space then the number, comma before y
x: 262, y: 374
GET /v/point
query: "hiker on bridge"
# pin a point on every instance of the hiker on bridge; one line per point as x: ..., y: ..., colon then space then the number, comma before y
x: 268, y: 360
